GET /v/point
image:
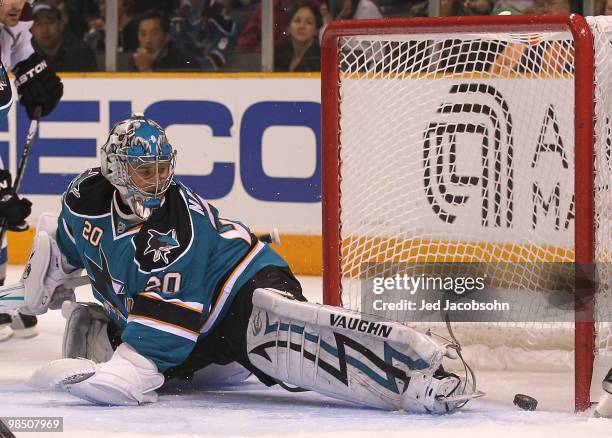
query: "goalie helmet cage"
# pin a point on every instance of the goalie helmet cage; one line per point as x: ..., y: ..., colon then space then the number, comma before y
x: 387, y: 85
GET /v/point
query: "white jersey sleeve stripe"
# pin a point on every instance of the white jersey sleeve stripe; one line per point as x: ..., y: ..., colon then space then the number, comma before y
x: 228, y: 286
x: 164, y: 327
x: 191, y: 305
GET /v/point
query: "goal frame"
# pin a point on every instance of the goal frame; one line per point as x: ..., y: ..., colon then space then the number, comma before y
x: 584, y: 149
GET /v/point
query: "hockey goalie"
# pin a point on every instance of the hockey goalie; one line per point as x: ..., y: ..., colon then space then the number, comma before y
x: 181, y: 289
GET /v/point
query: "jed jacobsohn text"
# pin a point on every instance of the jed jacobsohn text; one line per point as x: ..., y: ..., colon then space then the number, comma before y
x: 448, y: 305
x: 413, y: 284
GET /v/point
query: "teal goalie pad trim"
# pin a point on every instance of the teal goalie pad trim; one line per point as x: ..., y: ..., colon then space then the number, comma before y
x: 385, y: 365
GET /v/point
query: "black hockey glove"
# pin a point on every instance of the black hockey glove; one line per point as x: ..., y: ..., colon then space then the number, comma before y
x: 13, y: 208
x: 37, y: 85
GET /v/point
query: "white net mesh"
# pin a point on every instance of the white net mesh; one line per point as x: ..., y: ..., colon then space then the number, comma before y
x: 602, y: 32
x: 459, y: 147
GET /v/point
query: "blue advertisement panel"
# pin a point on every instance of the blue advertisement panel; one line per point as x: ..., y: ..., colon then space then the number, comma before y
x: 252, y: 146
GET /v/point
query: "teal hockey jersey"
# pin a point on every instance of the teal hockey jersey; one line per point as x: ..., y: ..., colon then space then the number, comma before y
x: 168, y: 280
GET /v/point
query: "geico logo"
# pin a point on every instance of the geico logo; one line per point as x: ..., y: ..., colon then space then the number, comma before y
x: 222, y: 175
x: 31, y: 72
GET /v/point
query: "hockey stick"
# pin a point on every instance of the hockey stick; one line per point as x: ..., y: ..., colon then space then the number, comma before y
x: 5, y: 432
x: 25, y: 155
x: 12, y: 295
x: 23, y: 161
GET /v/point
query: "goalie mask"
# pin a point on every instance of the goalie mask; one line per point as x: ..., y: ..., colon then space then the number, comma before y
x: 139, y: 161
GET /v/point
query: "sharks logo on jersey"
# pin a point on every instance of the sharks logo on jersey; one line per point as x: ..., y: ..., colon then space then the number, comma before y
x: 111, y: 289
x: 166, y: 236
x: 160, y: 244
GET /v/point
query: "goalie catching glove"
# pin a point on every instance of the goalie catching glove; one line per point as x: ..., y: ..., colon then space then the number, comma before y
x: 91, y: 370
x: 37, y: 85
x: 127, y: 379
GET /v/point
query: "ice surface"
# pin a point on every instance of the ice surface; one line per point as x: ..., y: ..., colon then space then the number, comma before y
x: 251, y: 409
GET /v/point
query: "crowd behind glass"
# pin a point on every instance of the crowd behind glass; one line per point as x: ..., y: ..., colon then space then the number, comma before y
x: 225, y: 35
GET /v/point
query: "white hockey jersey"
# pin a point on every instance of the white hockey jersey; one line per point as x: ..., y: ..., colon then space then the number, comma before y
x: 16, y: 41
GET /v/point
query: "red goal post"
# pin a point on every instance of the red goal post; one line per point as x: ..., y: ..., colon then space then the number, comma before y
x: 339, y: 68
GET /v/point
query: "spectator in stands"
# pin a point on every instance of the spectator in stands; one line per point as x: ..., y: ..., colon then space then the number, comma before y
x: 84, y: 8
x: 521, y: 6
x: 302, y: 52
x: 558, y: 56
x: 395, y: 8
x: 74, y: 23
x: 348, y: 10
x: 49, y: 41
x: 69, y: 21
x: 205, y: 29
x: 250, y: 37
x: 551, y: 7
x: 477, y: 7
x: 512, y: 56
x: 451, y: 8
x: 448, y: 8
x: 127, y: 24
x: 356, y: 9
x: 547, y: 57
x: 156, y: 50
x: 606, y: 7
x: 94, y: 37
x: 166, y: 6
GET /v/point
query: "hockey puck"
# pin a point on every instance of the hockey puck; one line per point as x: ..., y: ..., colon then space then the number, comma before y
x: 525, y: 402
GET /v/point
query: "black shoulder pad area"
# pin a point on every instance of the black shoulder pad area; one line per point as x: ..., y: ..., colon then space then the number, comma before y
x: 90, y: 194
x: 166, y: 235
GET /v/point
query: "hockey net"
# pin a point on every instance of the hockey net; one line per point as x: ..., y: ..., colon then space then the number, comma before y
x: 471, y: 140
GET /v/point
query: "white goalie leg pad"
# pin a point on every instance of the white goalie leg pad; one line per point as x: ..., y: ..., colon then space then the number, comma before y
x: 345, y: 355
x: 86, y: 333
x: 127, y: 379
x: 46, y: 270
x: 604, y: 406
